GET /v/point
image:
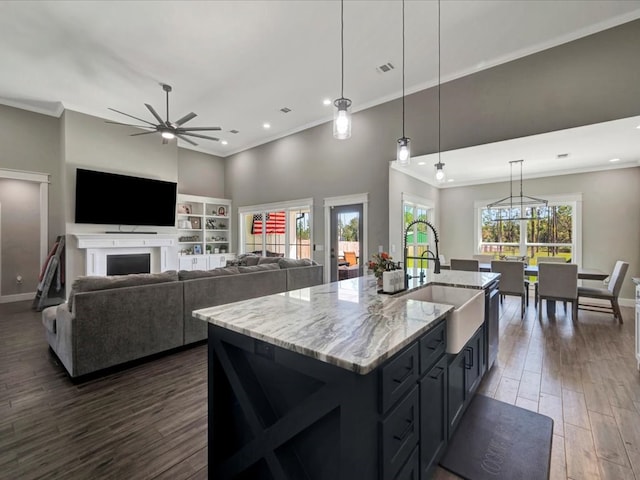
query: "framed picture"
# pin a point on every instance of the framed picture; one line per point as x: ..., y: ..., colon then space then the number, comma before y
x: 222, y: 211
x: 184, y: 208
x: 197, y: 249
x: 195, y: 222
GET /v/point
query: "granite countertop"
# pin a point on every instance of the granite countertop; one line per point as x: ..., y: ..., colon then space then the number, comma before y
x: 456, y: 278
x: 344, y: 323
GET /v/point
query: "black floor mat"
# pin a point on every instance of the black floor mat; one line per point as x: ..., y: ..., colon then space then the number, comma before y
x: 499, y: 441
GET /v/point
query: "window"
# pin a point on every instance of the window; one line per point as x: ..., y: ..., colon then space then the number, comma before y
x: 282, y: 230
x: 419, y: 235
x: 548, y: 231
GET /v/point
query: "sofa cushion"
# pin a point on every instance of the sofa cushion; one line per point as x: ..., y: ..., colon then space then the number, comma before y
x: 268, y: 260
x: 93, y: 283
x: 259, y: 268
x: 216, y: 272
x: 295, y: 263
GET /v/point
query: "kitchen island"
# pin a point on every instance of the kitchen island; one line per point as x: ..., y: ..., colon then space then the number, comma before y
x: 334, y: 381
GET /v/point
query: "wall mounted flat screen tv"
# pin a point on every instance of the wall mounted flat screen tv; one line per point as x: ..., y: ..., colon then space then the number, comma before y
x: 112, y: 199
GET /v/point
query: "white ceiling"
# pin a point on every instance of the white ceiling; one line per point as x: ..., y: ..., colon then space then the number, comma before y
x: 237, y: 63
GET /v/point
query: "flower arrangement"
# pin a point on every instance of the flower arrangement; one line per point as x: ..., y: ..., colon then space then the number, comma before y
x: 381, y: 262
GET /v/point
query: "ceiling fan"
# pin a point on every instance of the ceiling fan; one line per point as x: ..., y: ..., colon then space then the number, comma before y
x: 166, y: 128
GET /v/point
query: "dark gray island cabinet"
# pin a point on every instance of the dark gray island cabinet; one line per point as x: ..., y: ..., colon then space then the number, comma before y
x: 331, y: 382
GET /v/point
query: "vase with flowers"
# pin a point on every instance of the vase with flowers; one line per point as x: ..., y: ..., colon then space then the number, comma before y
x: 380, y: 263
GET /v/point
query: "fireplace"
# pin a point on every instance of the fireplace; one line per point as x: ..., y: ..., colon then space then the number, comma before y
x: 160, y: 252
x: 129, y: 263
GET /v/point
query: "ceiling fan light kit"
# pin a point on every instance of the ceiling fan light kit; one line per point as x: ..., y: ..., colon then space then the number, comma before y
x: 167, y: 129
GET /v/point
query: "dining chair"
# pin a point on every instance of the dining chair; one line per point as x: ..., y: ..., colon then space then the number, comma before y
x: 350, y: 257
x: 483, y: 258
x: 610, y: 293
x: 512, y: 281
x: 467, y: 264
x: 558, y: 281
x: 540, y: 260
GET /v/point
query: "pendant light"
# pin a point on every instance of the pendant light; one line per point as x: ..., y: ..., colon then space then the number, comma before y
x: 342, y: 114
x: 440, y: 175
x: 404, y: 148
x: 517, y: 201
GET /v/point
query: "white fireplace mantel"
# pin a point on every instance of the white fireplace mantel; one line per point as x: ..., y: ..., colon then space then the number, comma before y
x: 161, y: 247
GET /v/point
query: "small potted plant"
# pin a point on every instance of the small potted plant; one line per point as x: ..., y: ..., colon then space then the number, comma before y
x: 380, y: 263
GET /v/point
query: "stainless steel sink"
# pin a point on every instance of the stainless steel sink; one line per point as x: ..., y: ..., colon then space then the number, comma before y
x: 466, y: 317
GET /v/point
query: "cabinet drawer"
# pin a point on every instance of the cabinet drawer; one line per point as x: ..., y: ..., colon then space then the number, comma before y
x: 398, y: 376
x: 400, y: 432
x: 411, y: 469
x: 432, y: 347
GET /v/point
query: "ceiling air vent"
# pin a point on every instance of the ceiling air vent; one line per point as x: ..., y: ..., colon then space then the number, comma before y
x: 562, y: 155
x: 385, y: 68
x: 285, y: 110
x: 234, y: 131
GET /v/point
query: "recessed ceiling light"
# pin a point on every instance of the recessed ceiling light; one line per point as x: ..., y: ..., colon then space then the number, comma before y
x: 224, y: 142
x: 638, y: 126
x: 326, y: 101
x: 450, y: 180
x: 266, y: 125
x: 421, y: 163
x: 614, y: 160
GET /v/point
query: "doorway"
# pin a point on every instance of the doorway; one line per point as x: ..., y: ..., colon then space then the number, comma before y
x: 346, y: 246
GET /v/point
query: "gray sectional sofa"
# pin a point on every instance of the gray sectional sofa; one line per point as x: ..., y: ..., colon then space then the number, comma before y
x: 109, y: 321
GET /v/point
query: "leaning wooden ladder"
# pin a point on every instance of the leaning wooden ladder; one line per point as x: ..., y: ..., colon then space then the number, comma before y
x: 51, y: 268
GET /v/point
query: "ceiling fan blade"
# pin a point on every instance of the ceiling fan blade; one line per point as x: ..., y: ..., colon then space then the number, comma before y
x: 141, y: 119
x: 142, y: 133
x: 199, y: 136
x: 186, y: 118
x: 186, y: 139
x: 128, y: 124
x: 199, y: 129
x: 155, y: 114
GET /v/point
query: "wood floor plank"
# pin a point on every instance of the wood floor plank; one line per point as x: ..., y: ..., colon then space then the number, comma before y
x: 582, y: 461
x: 607, y: 439
x: 530, y: 386
x: 507, y: 390
x: 613, y: 471
x: 574, y: 408
x: 558, y: 469
x: 551, y: 406
x: 629, y: 426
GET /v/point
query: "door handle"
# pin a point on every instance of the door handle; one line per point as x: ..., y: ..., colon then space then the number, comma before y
x: 439, y: 374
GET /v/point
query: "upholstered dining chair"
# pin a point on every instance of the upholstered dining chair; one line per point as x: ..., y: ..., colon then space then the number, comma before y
x: 540, y: 260
x: 558, y: 281
x: 512, y: 281
x: 466, y: 264
x: 482, y: 258
x: 610, y: 293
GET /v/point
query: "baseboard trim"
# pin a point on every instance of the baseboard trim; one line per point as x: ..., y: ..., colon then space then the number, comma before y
x: 18, y: 297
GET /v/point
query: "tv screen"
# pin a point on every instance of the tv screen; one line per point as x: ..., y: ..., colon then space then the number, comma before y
x: 112, y: 199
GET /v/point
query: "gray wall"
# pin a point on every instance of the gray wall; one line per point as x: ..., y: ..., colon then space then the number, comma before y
x: 566, y: 86
x: 610, y: 216
x: 20, y: 242
x: 200, y: 174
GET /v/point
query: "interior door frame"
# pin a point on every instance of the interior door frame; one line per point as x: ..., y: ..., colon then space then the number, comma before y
x: 329, y: 202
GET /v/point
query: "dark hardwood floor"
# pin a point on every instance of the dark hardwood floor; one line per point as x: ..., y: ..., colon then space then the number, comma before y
x: 150, y: 421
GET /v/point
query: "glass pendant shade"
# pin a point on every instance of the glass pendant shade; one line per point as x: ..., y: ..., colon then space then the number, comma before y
x: 342, y: 119
x: 440, y: 175
x: 404, y: 151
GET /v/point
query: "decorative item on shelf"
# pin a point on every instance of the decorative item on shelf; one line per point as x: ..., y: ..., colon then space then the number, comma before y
x: 188, y: 238
x: 184, y: 224
x: 222, y: 226
x: 195, y: 222
x: 211, y: 223
x: 197, y: 249
x: 185, y: 208
x: 222, y: 211
x: 208, y: 248
x: 223, y: 250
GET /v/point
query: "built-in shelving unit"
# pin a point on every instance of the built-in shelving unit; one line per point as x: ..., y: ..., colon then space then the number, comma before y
x: 204, y: 232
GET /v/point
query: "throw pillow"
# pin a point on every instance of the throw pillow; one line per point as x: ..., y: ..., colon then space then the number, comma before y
x: 267, y: 260
x: 216, y: 272
x: 294, y: 263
